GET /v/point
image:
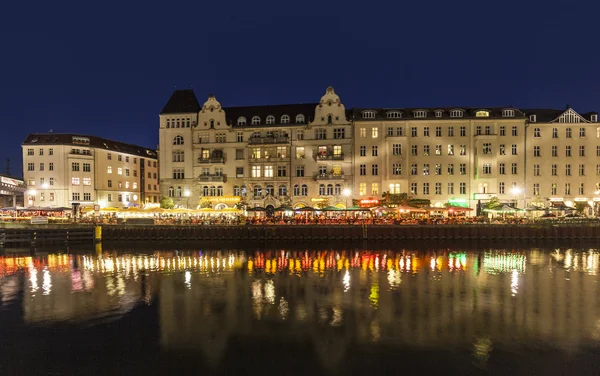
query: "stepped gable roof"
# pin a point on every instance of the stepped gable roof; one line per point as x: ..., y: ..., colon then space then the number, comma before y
x: 94, y: 142
x: 307, y: 109
x: 182, y: 101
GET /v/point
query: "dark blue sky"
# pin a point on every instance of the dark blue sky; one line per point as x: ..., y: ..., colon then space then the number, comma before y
x: 108, y: 69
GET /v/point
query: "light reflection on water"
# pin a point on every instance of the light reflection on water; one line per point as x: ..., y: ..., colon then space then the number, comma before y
x: 432, y: 299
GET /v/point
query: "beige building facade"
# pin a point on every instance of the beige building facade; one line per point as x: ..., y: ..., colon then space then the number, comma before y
x: 320, y: 153
x: 62, y: 169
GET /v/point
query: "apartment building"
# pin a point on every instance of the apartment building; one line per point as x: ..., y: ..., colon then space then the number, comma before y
x: 62, y: 169
x: 306, y: 154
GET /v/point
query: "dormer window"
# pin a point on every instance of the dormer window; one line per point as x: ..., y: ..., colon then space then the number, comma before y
x: 255, y: 120
x: 368, y: 114
x: 508, y: 113
x: 270, y: 119
x: 300, y: 119
x: 394, y: 115
x: 241, y: 120
x: 594, y: 118
x: 482, y: 113
x: 438, y: 114
x: 456, y: 113
x: 285, y: 119
x: 420, y: 114
x: 532, y: 118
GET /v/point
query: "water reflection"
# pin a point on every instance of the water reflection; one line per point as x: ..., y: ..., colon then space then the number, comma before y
x: 476, y: 300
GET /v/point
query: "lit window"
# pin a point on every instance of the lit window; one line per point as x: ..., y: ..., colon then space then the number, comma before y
x: 119, y: 171
x: 482, y: 114
x: 375, y: 132
x: 75, y: 181
x: 87, y: 181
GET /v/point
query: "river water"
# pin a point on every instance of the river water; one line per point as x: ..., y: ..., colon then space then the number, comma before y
x: 302, y: 311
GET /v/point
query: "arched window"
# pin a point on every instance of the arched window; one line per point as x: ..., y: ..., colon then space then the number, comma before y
x: 256, y: 120
x: 329, y: 119
x: 330, y: 189
x: 257, y: 191
x: 219, y: 191
x: 243, y: 191
x: 213, y: 191
x: 394, y: 115
x: 508, y: 113
x: 178, y: 140
x: 241, y: 120
x: 300, y: 119
x: 304, y: 191
x: 205, y: 190
x: 178, y: 191
x: 285, y: 119
x: 236, y: 190
x: 283, y: 190
x: 321, y: 189
x: 296, y: 190
x: 212, y: 123
x: 456, y: 113
x: 420, y: 113
x: 368, y: 114
x: 270, y: 190
x: 338, y: 189
x: 171, y: 192
x: 270, y: 119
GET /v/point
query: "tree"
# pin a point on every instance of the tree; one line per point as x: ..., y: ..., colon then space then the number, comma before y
x: 493, y: 204
x: 205, y: 203
x: 322, y: 204
x: 167, y: 203
x: 580, y: 206
x: 395, y: 199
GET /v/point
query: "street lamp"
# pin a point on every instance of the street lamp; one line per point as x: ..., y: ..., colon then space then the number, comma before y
x: 346, y: 192
x: 516, y: 191
x: 187, y: 194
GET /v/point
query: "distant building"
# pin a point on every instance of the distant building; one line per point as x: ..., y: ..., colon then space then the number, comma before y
x: 62, y: 169
x: 306, y: 154
x: 11, y: 191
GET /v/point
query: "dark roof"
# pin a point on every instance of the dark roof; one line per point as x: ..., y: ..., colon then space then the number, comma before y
x: 408, y: 113
x: 95, y: 142
x: 306, y: 109
x: 182, y: 101
x: 546, y: 115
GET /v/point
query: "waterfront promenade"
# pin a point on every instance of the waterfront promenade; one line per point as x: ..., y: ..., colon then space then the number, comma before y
x: 24, y: 234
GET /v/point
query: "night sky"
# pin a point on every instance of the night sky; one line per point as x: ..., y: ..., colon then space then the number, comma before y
x: 108, y: 69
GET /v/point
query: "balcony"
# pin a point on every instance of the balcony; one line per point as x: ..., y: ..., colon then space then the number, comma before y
x: 269, y: 159
x: 329, y: 176
x: 214, y: 160
x: 329, y: 157
x: 213, y: 178
x: 268, y: 140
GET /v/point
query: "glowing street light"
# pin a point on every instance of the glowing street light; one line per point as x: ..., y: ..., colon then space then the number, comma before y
x: 516, y: 191
x: 346, y: 192
x: 32, y: 193
x: 187, y: 194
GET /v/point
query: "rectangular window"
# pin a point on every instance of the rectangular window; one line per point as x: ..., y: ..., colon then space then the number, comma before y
x: 75, y: 181
x: 374, y: 132
x: 256, y: 171
x: 397, y: 169
x: 239, y: 154
x: 374, y: 152
x: 501, y: 168
x: 463, y: 188
x: 30, y: 182
x: 451, y: 169
x: 568, y: 132
x: 397, y: 149
x: 41, y: 167
x: 463, y: 149
x: 75, y: 196
x: 51, y: 166
x: 413, y: 131
x: 450, y: 149
x: 581, y: 132
x: 362, y: 189
x: 502, y: 149
x: 514, y: 149
x: 110, y: 184
x: 87, y: 167
x: 281, y: 171
x: 568, y: 189
x: 514, y: 169
x: 30, y: 152
x: 300, y: 152
x: 413, y: 169
x: 51, y: 152
x: 463, y: 131
x: 425, y: 188
x: 120, y: 158
x: 268, y: 171
x: 399, y: 133
x: 536, y: 189
x: 240, y: 136
x: 363, y: 132
x: 74, y: 166
x: 282, y: 151
x: 554, y: 151
x: 554, y: 189
x: 554, y: 132
x: 321, y: 134
x: 438, y: 149
x: 536, y: 170
x: 463, y: 169
x: 300, y: 171
x: 478, y: 130
x: 109, y: 169
x: 220, y: 138
x: 450, y: 188
x: 554, y: 170
x: 363, y: 170
x: 119, y: 171
x: 126, y: 172
x: 581, y: 170
x: 501, y: 187
x: 413, y: 150
x: 395, y: 188
x: 438, y: 188
x: 537, y: 133
x: 536, y: 151
x: 438, y: 131
x: 339, y: 133
x: 581, y: 150
x: 413, y: 188
x: 425, y: 149
x: 374, y: 188
x: 438, y: 169
x: 487, y: 168
x: 514, y: 131
x: 568, y: 151
x: 363, y: 151
x: 502, y: 130
x: 450, y: 131
x: 568, y: 170
x: 239, y: 173
x: 597, y: 150
x: 487, y: 148
x: 390, y: 131
x: 425, y: 131
x: 375, y: 170
x: 426, y: 169
x: 581, y: 189
x: 87, y: 181
x: 178, y: 173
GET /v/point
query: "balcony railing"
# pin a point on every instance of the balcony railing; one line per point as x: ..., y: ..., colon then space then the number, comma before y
x: 329, y: 157
x: 329, y: 176
x: 270, y: 159
x: 213, y: 178
x: 212, y: 160
x: 268, y: 140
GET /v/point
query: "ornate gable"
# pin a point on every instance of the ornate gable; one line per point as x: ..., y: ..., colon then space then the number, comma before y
x: 570, y: 116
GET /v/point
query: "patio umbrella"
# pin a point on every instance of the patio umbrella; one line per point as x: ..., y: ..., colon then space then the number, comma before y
x: 458, y: 209
x: 357, y: 208
x: 256, y: 209
x: 331, y: 209
x: 305, y: 209
x: 284, y: 208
